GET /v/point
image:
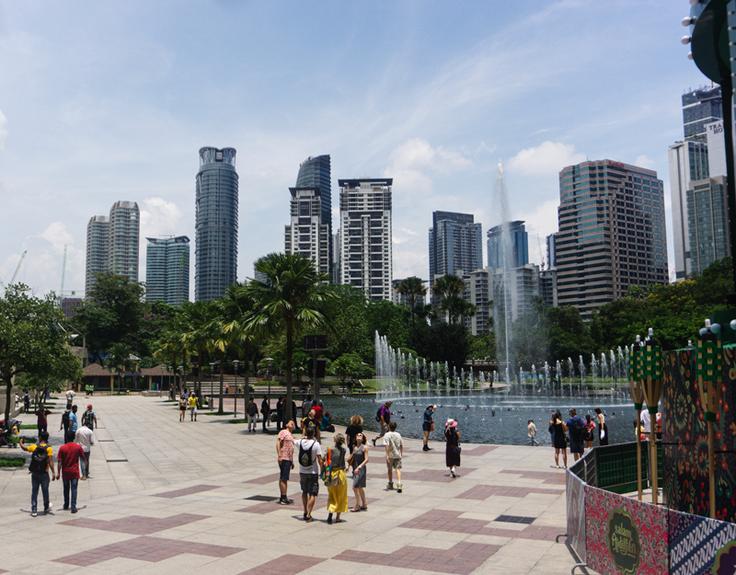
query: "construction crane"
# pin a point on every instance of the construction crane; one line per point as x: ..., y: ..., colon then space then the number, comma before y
x: 63, y: 274
x: 17, y: 268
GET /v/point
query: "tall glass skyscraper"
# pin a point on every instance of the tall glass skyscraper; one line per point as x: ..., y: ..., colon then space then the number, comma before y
x: 455, y: 243
x: 216, y: 223
x: 519, y: 243
x: 314, y: 172
x: 167, y: 270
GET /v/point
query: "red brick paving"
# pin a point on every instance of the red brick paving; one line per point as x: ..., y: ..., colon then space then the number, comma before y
x: 435, y: 475
x: 151, y: 549
x: 136, y: 524
x: 480, y: 450
x: 544, y: 476
x: 461, y: 559
x: 483, y: 492
x: 271, y: 478
x: 285, y: 565
x: 186, y: 491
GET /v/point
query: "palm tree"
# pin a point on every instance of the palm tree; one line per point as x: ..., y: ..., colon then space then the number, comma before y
x: 287, y: 302
x: 412, y: 288
x: 193, y: 333
x: 449, y: 289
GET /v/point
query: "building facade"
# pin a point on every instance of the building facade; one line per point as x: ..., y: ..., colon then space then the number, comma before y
x: 316, y: 172
x: 519, y: 245
x: 548, y: 287
x: 707, y: 202
x: 167, y: 270
x: 699, y: 108
x: 478, y: 293
x: 520, y: 293
x: 365, y: 236
x: 125, y: 225
x: 551, y: 251
x: 455, y: 243
x: 611, y: 233
x: 98, y: 243
x: 308, y: 234
x: 216, y: 223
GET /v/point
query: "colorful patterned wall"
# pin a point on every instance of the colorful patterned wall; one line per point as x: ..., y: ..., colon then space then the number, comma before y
x: 685, y: 438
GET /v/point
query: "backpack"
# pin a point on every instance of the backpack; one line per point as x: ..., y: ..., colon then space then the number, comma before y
x: 305, y: 455
x: 39, y: 459
x: 378, y: 413
x: 87, y: 418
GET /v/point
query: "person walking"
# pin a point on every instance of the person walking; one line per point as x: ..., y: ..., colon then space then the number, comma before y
x: 285, y: 458
x: 310, y: 465
x: 182, y: 406
x: 394, y: 453
x: 557, y: 431
x: 337, y: 490
x: 86, y: 438
x: 42, y: 455
x: 251, y: 415
x: 192, y: 405
x: 65, y: 420
x: 69, y: 398
x: 89, y: 419
x: 358, y: 460
x: 352, y: 430
x: 576, y: 429
x: 452, y: 446
x: 42, y: 422
x: 26, y: 401
x: 73, y: 420
x: 67, y: 468
x: 266, y: 412
x: 383, y: 417
x: 602, y: 427
x: 531, y: 432
x: 428, y: 426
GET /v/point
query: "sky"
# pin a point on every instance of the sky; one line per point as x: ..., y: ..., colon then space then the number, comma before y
x: 103, y: 101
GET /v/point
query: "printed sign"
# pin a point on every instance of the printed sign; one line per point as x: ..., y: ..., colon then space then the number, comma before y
x: 623, y: 541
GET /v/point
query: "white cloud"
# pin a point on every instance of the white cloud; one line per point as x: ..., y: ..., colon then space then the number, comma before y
x: 644, y: 161
x: 159, y: 217
x: 58, y: 236
x: 540, y: 222
x: 3, y: 129
x: 548, y: 158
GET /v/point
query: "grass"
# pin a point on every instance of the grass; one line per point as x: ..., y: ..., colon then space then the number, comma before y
x: 12, y: 461
x: 28, y: 426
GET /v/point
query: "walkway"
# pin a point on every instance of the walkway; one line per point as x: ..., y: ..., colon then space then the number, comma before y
x: 170, y: 497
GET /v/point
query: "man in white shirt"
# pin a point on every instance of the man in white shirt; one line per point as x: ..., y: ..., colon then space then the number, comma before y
x: 310, y: 464
x: 86, y: 438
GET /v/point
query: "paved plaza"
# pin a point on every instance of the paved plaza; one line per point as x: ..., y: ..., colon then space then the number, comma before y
x: 171, y: 497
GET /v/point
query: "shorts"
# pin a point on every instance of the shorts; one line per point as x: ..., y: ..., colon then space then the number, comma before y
x: 193, y: 409
x: 284, y: 469
x: 426, y: 426
x: 395, y: 462
x: 309, y: 483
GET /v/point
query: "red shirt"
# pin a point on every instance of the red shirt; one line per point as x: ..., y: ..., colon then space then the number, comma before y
x: 69, y: 455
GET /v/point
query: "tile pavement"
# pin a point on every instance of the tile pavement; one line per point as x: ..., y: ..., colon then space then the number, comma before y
x: 178, y: 505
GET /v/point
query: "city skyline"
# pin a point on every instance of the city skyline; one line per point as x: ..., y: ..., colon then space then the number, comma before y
x: 434, y: 116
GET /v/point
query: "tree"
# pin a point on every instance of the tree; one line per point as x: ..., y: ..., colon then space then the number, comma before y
x: 287, y: 302
x: 32, y: 342
x: 349, y: 368
x: 449, y: 289
x: 413, y: 290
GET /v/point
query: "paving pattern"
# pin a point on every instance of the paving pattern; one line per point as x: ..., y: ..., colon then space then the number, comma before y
x: 171, y: 497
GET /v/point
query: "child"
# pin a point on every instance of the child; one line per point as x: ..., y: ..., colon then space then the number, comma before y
x: 531, y: 432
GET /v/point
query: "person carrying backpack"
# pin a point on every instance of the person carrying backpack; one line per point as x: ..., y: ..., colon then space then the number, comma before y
x: 576, y: 429
x: 383, y: 417
x: 310, y: 465
x: 42, y: 455
x: 89, y: 419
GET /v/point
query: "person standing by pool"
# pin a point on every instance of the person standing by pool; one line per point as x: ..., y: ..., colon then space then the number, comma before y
x: 337, y: 491
x: 557, y: 431
x: 602, y: 428
x: 531, y: 432
x: 359, y: 460
x: 352, y: 431
x: 576, y: 429
x: 266, y: 411
x: 589, y: 431
x: 428, y: 426
x: 452, y: 447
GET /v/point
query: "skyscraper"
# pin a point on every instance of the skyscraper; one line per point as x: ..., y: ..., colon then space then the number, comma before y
x: 216, y: 227
x: 700, y: 107
x: 707, y: 204
x: 125, y: 223
x: 167, y: 270
x: 519, y: 243
x: 478, y: 293
x: 551, y: 251
x: 307, y: 234
x: 98, y: 239
x: 612, y: 233
x: 315, y: 173
x: 455, y: 243
x: 365, y: 236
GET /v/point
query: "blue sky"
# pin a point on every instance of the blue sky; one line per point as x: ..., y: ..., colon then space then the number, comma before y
x: 101, y: 101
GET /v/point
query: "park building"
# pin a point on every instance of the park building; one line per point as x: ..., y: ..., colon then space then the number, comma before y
x: 167, y: 270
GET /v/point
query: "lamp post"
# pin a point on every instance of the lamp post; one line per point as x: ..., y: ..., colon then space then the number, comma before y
x: 709, y: 369
x: 269, y: 363
x: 236, y: 363
x: 652, y: 385
x: 212, y: 381
x: 636, y: 392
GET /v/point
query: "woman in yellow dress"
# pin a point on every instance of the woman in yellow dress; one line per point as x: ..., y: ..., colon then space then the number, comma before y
x: 337, y: 491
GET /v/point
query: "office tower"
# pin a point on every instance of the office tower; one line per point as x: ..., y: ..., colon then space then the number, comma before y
x: 216, y: 226
x: 125, y: 223
x: 478, y: 293
x: 688, y: 161
x: 314, y: 172
x: 308, y: 234
x: 98, y: 239
x: 167, y: 270
x: 365, y: 236
x: 716, y: 143
x: 548, y: 287
x: 454, y: 244
x: 707, y: 203
x: 700, y: 107
x: 611, y: 233
x: 519, y: 242
x: 551, y: 252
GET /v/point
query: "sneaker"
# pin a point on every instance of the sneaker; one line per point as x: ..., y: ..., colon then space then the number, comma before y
x: 48, y: 509
x: 308, y: 519
x: 65, y: 508
x: 399, y: 488
x: 34, y: 514
x: 283, y: 501
x: 74, y: 510
x: 390, y: 485
x: 329, y: 519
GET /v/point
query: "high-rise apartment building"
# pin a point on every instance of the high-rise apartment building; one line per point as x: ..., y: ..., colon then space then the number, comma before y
x: 519, y: 293
x: 707, y: 203
x: 98, y: 240
x: 216, y: 225
x: 519, y: 245
x: 455, y: 243
x: 315, y: 173
x: 478, y: 293
x: 125, y: 225
x: 365, y: 236
x: 167, y: 270
x: 308, y: 234
x: 611, y: 233
x: 548, y: 287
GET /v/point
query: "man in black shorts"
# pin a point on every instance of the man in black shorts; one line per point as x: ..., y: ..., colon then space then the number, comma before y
x: 310, y: 464
x: 285, y: 456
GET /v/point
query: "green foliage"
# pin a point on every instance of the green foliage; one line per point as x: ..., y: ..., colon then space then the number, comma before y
x: 452, y: 307
x: 441, y: 342
x: 349, y: 368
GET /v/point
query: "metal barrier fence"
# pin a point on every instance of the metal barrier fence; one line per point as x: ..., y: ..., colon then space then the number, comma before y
x: 617, y: 534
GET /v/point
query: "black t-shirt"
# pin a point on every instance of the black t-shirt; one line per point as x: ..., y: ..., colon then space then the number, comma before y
x: 351, y: 431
